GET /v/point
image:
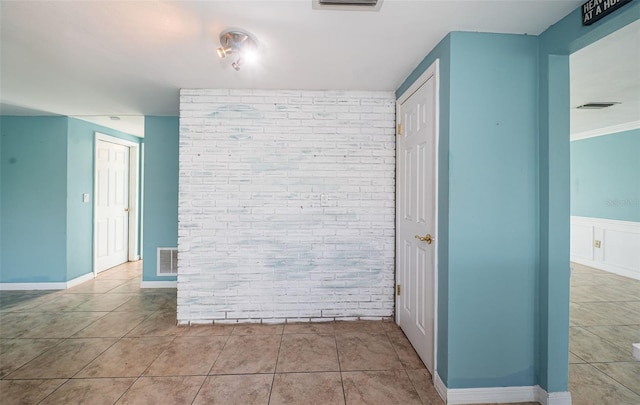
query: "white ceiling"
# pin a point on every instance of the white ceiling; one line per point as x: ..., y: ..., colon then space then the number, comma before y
x: 607, y: 70
x: 131, y: 57
x: 130, y: 124
x: 95, y: 59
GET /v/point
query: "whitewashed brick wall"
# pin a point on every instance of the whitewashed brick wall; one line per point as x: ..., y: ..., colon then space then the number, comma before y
x: 286, y: 205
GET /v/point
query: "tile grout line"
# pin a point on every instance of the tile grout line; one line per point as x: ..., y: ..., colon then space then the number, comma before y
x: 32, y: 359
x: 616, y: 381
x: 208, y: 375
x: 598, y: 306
x: 404, y: 368
x: 57, y: 388
x: 221, y: 350
x: 344, y: 391
x: 125, y: 391
x: 275, y: 367
x: 613, y: 378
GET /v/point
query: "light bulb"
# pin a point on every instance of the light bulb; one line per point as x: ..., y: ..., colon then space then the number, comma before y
x: 249, y: 56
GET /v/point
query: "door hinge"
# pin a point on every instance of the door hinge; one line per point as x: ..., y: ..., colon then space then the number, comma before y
x: 398, y: 289
x: 400, y: 129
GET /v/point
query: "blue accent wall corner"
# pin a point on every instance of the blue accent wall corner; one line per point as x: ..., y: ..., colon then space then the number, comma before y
x: 160, y: 220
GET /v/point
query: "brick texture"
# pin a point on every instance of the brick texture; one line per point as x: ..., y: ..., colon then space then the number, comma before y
x: 286, y: 205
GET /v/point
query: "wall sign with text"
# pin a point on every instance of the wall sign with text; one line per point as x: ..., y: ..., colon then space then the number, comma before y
x: 594, y: 10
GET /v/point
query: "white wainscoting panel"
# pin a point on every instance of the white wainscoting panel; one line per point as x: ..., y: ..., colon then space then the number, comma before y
x: 619, y: 250
x: 582, y: 240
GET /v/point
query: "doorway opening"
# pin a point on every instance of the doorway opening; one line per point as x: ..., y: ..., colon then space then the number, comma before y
x: 416, y: 214
x: 605, y: 215
x: 116, y: 202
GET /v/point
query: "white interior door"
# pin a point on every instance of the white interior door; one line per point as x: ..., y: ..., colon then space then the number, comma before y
x: 416, y: 219
x: 112, y: 205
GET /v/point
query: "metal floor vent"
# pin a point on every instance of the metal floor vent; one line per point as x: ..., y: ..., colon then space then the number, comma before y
x: 167, y: 261
x: 353, y: 5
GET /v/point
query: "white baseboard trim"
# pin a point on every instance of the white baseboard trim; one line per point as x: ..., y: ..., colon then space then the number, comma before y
x: 46, y: 286
x: 32, y: 286
x: 80, y: 280
x: 553, y: 398
x: 441, y: 389
x: 158, y: 284
x: 499, y: 395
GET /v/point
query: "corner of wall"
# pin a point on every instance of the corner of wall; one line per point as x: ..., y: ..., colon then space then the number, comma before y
x: 555, y: 44
x: 160, y: 190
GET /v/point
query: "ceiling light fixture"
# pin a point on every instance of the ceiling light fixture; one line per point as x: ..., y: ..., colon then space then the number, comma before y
x: 239, y: 43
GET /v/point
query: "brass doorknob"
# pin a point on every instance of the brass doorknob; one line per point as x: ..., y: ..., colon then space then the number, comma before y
x: 427, y: 238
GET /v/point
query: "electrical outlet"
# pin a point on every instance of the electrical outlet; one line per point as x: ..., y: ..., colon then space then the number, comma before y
x: 85, y: 197
x: 324, y: 200
x: 596, y: 244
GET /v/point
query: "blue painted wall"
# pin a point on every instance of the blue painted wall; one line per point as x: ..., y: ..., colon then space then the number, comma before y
x: 160, y: 191
x: 47, y: 231
x: 492, y: 210
x: 605, y: 176
x: 487, y: 198
x: 1, y: 160
x: 33, y: 218
x: 79, y: 214
x: 504, y: 271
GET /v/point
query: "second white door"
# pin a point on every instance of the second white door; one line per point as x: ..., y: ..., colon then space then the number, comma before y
x: 112, y: 205
x: 416, y: 218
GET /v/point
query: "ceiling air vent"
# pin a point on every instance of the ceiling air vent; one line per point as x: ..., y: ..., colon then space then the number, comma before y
x: 596, y: 106
x: 353, y: 5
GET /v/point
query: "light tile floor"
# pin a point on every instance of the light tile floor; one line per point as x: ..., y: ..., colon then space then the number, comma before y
x: 604, y: 322
x: 109, y: 342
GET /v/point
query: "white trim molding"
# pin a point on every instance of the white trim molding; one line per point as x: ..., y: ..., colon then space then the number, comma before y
x: 495, y: 395
x: 79, y: 280
x: 552, y: 398
x: 440, y: 387
x: 619, y: 240
x: 46, y: 286
x: 627, y: 126
x: 499, y: 395
x: 32, y: 286
x: 158, y: 284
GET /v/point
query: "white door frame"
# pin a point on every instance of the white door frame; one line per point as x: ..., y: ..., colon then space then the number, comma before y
x: 432, y: 71
x: 133, y: 195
